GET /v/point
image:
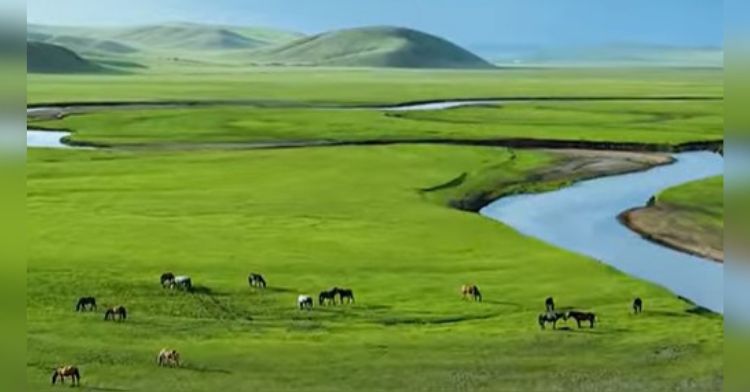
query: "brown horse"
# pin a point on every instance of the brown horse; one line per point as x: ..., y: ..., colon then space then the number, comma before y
x: 582, y: 316
x: 67, y: 371
x: 116, y: 313
x: 168, y: 357
x: 471, y: 290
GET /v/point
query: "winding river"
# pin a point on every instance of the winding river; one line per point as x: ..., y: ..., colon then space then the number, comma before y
x: 583, y: 218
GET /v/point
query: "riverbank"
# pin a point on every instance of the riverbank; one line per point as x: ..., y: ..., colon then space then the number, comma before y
x: 688, y: 218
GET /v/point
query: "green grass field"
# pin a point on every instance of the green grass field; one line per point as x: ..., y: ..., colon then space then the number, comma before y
x: 655, y: 122
x: 108, y: 223
x: 702, y: 202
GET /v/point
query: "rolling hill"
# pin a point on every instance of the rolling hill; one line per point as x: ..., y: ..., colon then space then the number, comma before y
x: 49, y: 58
x: 373, y: 47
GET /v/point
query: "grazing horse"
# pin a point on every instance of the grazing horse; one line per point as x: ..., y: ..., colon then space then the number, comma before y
x: 167, y: 279
x: 551, y: 317
x: 328, y: 296
x: 582, y: 316
x: 168, y: 357
x: 549, y: 304
x: 471, y: 290
x: 256, y: 280
x: 116, y: 313
x: 83, y: 302
x: 347, y: 294
x: 637, y: 305
x: 305, y: 302
x: 67, y: 371
x: 182, y: 282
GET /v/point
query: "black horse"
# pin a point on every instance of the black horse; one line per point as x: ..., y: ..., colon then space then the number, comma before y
x: 347, y: 294
x: 549, y: 304
x: 167, y: 279
x: 582, y: 316
x: 256, y: 280
x: 85, y: 302
x: 115, y: 313
x: 551, y: 317
x: 328, y: 296
x: 637, y: 305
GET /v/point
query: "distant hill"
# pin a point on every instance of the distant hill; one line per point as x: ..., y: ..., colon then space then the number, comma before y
x: 373, y: 47
x: 48, y: 58
x: 173, y: 37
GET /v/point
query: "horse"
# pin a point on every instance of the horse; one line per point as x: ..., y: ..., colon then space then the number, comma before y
x: 256, y: 280
x: 304, y: 302
x: 328, y: 296
x: 346, y: 294
x: 549, y: 304
x: 582, y: 316
x: 637, y: 305
x: 115, y: 313
x: 67, y: 371
x: 167, y: 279
x: 182, y: 282
x: 168, y: 357
x: 471, y: 290
x: 551, y: 317
x: 83, y: 302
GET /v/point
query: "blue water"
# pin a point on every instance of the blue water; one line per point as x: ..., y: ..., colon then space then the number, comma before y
x: 583, y: 219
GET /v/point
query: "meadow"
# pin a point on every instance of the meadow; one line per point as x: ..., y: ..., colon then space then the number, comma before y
x: 376, y: 219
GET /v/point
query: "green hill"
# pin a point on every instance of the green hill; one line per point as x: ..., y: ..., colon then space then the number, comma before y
x: 48, y: 58
x: 373, y: 47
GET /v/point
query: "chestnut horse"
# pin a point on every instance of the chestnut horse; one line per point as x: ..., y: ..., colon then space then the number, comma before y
x: 67, y: 371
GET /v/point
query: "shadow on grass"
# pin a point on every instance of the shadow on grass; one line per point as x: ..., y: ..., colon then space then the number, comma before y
x: 103, y: 389
x: 391, y: 321
x: 203, y: 369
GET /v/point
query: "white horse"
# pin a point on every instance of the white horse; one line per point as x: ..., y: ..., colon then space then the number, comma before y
x: 168, y: 357
x: 183, y: 282
x: 305, y: 302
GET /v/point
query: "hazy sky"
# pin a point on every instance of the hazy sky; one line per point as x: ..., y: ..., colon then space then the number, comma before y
x: 469, y: 22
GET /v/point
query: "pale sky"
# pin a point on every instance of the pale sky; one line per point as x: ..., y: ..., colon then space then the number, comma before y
x: 470, y: 22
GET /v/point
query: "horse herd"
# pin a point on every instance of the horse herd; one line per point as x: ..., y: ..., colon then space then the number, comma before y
x: 171, y: 358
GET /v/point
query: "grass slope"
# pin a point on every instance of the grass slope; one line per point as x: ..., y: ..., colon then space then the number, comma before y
x: 374, y: 47
x: 108, y: 223
x: 48, y: 58
x: 655, y: 122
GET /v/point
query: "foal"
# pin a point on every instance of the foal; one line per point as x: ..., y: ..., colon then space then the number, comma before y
x: 67, y: 371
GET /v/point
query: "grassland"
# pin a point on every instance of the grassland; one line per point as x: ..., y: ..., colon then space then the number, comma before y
x: 649, y: 122
x: 370, y: 86
x: 689, y: 217
x: 108, y: 222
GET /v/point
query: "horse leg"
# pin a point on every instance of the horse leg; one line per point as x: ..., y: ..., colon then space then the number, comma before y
x: 578, y: 322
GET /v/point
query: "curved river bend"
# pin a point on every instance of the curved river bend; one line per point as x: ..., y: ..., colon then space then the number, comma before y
x: 583, y: 217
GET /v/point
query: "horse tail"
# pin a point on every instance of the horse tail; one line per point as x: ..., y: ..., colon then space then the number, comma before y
x: 54, y: 377
x: 124, y: 313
